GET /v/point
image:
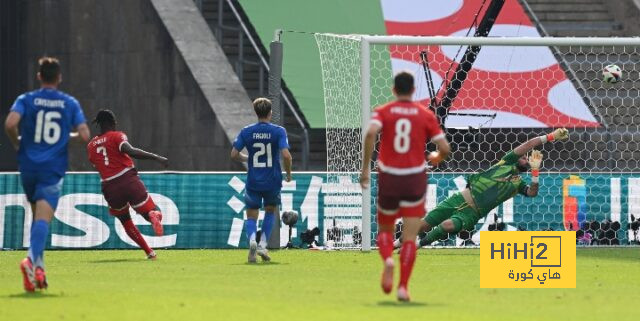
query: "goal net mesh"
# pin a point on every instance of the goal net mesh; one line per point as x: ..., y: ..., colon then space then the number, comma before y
x: 509, y: 94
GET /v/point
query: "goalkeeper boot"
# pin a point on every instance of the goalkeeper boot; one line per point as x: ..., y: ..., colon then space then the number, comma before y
x: 264, y: 254
x: 387, y: 275
x: 253, y: 248
x: 397, y: 244
x: 403, y: 294
x: 28, y: 275
x: 41, y: 279
x: 155, y: 217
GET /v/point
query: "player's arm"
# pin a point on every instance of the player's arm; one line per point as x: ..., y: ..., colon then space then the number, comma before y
x: 287, y: 161
x: 81, y: 133
x: 11, y: 128
x: 443, y: 150
x: 138, y: 153
x: 238, y: 145
x: 367, y: 153
x: 238, y: 156
x: 558, y: 134
x: 535, y: 161
x: 532, y: 190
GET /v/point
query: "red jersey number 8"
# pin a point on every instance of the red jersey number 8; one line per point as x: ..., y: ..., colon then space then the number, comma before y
x: 402, y: 140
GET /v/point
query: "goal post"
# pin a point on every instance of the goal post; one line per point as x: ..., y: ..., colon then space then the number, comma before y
x: 518, y: 87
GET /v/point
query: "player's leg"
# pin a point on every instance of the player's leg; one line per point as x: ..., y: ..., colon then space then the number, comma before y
x: 271, y: 202
x: 464, y: 218
x: 29, y: 181
x: 386, y: 216
x: 118, y: 193
x: 411, y: 211
x: 43, y: 191
x: 253, y: 202
x: 439, y: 215
x: 142, y: 203
x: 151, y: 213
x: 443, y: 211
x: 132, y: 231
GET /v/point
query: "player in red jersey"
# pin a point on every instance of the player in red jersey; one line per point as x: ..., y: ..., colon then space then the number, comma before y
x: 405, y: 128
x: 110, y: 153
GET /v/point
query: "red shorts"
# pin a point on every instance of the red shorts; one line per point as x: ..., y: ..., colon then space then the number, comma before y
x: 400, y: 196
x: 127, y: 190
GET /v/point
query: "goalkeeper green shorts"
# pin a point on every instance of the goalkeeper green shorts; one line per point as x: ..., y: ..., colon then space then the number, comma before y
x: 454, y: 206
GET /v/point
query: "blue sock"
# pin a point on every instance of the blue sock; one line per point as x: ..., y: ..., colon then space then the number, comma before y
x: 39, y: 234
x: 250, y: 227
x: 267, y: 227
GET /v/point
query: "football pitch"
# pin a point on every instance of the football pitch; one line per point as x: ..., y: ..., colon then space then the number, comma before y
x: 306, y: 285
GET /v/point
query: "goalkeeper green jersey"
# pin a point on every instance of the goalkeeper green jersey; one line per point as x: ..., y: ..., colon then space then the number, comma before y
x: 497, y: 184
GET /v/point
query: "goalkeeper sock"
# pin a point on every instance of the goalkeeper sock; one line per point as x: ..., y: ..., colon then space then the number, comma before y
x: 134, y: 233
x: 267, y: 227
x: 385, y: 244
x: 39, y: 233
x: 250, y: 227
x: 407, y: 259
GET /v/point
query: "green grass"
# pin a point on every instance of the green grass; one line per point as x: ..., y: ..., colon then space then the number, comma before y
x: 306, y: 285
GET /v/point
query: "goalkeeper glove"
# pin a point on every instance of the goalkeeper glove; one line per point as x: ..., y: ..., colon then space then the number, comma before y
x: 558, y: 134
x: 535, y: 160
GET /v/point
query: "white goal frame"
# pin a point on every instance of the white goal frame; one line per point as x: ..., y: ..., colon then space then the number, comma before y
x: 367, y: 40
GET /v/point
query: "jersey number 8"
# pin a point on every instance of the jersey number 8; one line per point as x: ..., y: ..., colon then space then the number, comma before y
x: 262, y: 149
x: 50, y: 130
x: 402, y: 140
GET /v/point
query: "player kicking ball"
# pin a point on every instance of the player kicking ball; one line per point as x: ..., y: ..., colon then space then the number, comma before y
x: 265, y: 142
x: 488, y: 189
x: 110, y: 153
x: 404, y: 127
x: 43, y: 119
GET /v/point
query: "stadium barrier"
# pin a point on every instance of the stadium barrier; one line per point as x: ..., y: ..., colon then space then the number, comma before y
x: 206, y: 210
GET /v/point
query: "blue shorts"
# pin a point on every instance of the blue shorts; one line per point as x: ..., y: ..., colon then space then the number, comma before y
x: 254, y: 199
x: 42, y: 185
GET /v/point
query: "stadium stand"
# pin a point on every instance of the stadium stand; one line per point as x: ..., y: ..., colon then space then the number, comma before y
x: 155, y: 63
x: 249, y: 57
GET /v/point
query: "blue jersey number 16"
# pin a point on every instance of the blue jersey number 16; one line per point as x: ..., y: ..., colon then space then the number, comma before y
x: 262, y: 149
x: 47, y: 128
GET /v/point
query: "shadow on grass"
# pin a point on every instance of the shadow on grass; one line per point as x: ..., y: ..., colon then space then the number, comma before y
x: 260, y: 264
x: 33, y: 295
x: 117, y: 260
x: 461, y: 252
x: 402, y: 305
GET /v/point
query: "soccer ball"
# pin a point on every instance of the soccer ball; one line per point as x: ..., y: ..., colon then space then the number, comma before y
x: 611, y: 74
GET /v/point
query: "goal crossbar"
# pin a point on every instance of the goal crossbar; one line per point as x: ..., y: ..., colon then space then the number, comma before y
x: 500, y: 41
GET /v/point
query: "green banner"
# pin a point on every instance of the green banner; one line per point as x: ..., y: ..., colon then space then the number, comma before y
x: 206, y: 210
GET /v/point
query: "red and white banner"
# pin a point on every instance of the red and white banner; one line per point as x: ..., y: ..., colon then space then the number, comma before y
x: 524, y: 86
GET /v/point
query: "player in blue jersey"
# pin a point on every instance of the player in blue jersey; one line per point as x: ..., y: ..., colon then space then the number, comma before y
x: 39, y: 126
x: 265, y: 142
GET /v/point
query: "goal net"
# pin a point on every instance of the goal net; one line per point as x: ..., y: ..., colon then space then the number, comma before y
x: 492, y: 94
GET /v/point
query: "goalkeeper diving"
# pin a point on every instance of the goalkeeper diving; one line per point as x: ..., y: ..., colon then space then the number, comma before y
x: 487, y: 189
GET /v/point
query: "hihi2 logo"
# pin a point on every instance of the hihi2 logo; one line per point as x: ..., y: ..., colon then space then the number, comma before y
x: 522, y: 259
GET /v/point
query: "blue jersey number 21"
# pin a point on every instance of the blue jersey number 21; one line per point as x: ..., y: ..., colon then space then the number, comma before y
x: 262, y: 149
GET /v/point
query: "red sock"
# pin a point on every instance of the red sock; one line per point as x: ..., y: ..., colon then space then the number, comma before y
x: 135, y: 235
x: 407, y: 258
x: 385, y: 244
